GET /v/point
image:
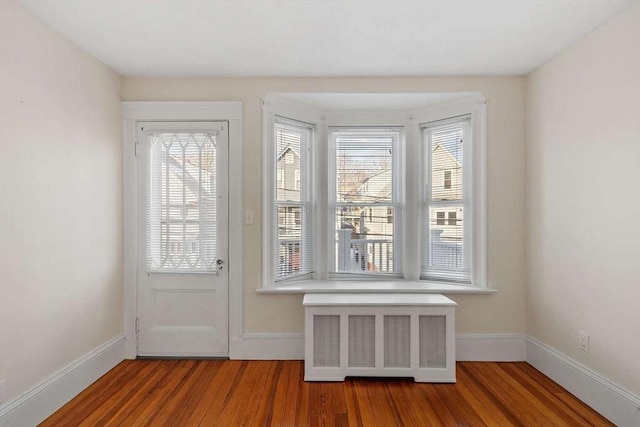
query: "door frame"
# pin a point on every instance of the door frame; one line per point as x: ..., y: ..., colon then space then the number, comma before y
x: 132, y: 113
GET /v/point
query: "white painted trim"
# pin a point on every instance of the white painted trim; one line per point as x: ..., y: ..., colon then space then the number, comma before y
x: 133, y: 111
x: 38, y: 403
x: 268, y: 346
x: 490, y: 347
x: 469, y: 347
x: 378, y: 286
x: 236, y: 232
x: 291, y: 109
x: 612, y: 401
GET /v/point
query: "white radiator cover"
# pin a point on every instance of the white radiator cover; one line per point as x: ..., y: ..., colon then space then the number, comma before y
x: 395, y: 335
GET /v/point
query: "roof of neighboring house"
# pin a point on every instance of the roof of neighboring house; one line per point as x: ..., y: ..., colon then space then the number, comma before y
x: 382, y: 192
x: 447, y: 152
x: 286, y: 150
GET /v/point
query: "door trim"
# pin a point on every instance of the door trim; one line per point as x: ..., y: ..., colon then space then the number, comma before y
x: 134, y: 111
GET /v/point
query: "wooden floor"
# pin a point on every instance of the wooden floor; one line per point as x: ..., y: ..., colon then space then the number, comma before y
x: 272, y: 393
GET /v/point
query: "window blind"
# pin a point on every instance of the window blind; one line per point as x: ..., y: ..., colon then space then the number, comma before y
x: 446, y: 227
x: 365, y: 201
x: 295, y: 222
x: 181, y: 202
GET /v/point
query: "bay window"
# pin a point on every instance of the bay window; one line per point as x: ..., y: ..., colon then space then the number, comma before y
x: 394, y: 195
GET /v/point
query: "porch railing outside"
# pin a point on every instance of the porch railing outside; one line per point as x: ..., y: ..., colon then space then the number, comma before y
x: 368, y: 255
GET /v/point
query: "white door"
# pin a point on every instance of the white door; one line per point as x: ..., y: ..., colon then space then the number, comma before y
x: 183, y: 279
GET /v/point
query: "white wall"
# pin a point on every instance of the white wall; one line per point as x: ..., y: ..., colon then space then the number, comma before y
x: 60, y: 187
x: 583, y: 200
x: 500, y: 313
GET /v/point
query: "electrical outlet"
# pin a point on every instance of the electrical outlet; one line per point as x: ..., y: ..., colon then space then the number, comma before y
x: 583, y: 341
x: 2, y: 390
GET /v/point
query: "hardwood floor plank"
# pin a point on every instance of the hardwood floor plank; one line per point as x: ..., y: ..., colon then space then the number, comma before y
x: 242, y: 404
x: 215, y: 393
x: 491, y: 411
x: 457, y: 405
x: 545, y: 397
x: 354, y: 417
x: 302, y: 405
x: 374, y: 403
x: 186, y: 393
x: 411, y: 411
x: 292, y: 395
x: 524, y: 393
x: 158, y: 409
x: 264, y: 412
x: 93, y: 396
x: 116, y: 402
x: 196, y: 396
x: 169, y: 410
x: 515, y: 402
x: 441, y: 414
x: 589, y: 415
x: 148, y: 397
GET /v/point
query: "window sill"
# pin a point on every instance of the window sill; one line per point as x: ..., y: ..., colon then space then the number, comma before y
x: 352, y: 286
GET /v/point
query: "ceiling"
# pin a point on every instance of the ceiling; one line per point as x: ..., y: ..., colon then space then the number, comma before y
x: 323, y: 38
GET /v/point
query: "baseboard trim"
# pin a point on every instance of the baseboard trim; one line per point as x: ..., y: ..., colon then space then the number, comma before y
x: 290, y: 346
x: 490, y: 347
x: 612, y: 401
x: 38, y: 403
x: 267, y: 346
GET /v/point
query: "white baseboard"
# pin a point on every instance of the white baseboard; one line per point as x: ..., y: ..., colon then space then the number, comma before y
x: 290, y: 346
x: 613, y: 402
x: 38, y: 403
x: 490, y: 347
x: 268, y: 346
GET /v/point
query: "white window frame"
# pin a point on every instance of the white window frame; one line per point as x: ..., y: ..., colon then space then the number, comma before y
x: 474, y: 179
x: 410, y: 216
x: 274, y: 108
x: 307, y: 199
x: 397, y: 202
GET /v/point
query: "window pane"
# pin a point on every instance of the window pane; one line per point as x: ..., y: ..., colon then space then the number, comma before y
x: 181, y: 217
x: 446, y: 239
x: 446, y: 162
x: 289, y: 241
x: 364, y: 168
x: 364, y: 239
x: 288, y: 143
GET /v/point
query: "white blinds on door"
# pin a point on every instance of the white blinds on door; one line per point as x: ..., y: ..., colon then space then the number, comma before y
x: 181, y: 202
x: 446, y: 238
